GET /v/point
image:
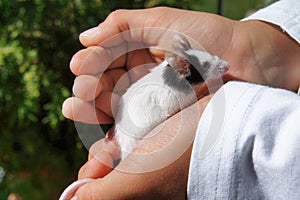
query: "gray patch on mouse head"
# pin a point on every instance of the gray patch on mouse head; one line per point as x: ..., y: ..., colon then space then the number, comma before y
x: 172, y: 79
x: 194, y: 66
x: 197, y: 65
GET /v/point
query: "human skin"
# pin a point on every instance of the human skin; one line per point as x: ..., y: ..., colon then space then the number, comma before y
x: 258, y: 52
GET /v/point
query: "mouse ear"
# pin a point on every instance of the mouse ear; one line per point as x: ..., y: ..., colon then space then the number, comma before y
x: 177, y: 58
x: 177, y: 62
x: 180, y: 43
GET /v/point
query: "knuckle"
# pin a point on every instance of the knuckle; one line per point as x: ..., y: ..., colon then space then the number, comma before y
x: 118, y: 18
x: 161, y: 9
x: 82, y: 172
x: 116, y: 15
x: 96, y: 147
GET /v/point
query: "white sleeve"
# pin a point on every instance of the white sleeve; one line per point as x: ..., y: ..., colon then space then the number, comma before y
x: 247, y: 145
x: 284, y: 13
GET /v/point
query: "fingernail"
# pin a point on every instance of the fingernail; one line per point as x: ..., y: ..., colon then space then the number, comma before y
x: 89, y: 32
x: 74, y: 198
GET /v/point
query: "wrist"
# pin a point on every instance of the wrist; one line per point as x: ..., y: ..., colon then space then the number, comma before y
x: 274, y: 53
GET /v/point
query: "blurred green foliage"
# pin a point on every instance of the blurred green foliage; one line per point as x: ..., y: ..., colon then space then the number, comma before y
x: 40, y: 150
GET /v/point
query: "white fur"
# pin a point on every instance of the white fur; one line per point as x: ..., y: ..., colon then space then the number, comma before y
x: 146, y: 103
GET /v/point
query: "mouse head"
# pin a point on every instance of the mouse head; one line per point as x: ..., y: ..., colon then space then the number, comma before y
x: 194, y: 65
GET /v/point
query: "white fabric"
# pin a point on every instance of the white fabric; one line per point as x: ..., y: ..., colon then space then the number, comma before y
x: 255, y: 154
x: 284, y: 13
x: 247, y: 144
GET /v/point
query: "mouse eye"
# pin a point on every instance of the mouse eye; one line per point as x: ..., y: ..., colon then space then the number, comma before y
x: 205, y: 65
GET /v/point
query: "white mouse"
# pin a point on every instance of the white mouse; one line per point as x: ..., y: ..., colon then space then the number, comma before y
x: 164, y: 91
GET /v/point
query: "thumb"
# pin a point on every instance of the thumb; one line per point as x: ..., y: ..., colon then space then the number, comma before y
x: 115, y: 29
x: 126, y: 25
x: 116, y: 185
x: 91, y: 190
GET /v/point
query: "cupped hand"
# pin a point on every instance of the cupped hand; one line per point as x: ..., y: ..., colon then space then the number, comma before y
x: 157, y: 169
x: 257, y: 52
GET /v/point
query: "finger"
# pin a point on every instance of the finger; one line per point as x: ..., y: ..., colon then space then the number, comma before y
x: 123, y: 25
x: 97, y: 167
x: 138, y: 63
x: 116, y: 77
x: 112, y: 187
x: 158, y: 53
x: 108, y: 145
x: 91, y: 190
x: 101, y: 158
x: 87, y: 87
x: 70, y: 191
x: 110, y: 31
x: 94, y: 60
x: 107, y: 102
x: 138, y: 72
x: 82, y: 111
